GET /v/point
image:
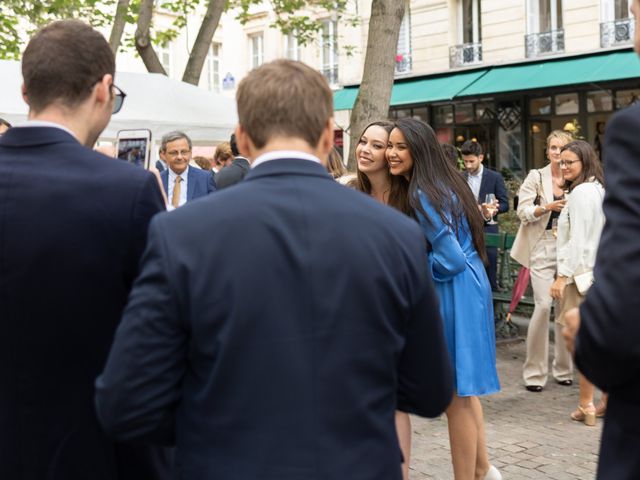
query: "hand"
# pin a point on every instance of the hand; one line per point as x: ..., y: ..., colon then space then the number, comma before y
x: 556, y: 206
x: 571, y: 327
x: 557, y: 289
x: 488, y: 210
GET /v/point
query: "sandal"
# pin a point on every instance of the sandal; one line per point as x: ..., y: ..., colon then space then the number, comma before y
x: 585, y: 414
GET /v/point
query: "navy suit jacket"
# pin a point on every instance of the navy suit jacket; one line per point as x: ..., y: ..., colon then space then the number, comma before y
x: 199, y: 183
x: 492, y: 182
x: 608, y: 342
x: 73, y: 226
x: 285, y: 357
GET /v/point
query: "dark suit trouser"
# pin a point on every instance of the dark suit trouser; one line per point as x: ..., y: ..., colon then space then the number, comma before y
x: 620, y: 446
x: 492, y: 254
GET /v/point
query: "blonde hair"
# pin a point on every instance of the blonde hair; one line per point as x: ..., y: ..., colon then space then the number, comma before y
x: 335, y: 165
x: 561, y: 135
x: 223, y: 153
x: 284, y: 98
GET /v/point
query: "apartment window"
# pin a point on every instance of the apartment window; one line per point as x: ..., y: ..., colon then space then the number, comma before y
x: 544, y: 25
x: 617, y: 27
x: 403, y: 50
x: 291, y: 47
x: 164, y: 55
x: 468, y: 51
x: 329, y: 51
x: 469, y: 28
x: 213, y: 68
x: 256, y: 50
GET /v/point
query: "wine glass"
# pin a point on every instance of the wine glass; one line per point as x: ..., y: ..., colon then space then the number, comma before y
x: 490, y: 200
x: 554, y: 227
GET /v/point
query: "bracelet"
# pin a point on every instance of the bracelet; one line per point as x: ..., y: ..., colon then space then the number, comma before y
x: 544, y: 209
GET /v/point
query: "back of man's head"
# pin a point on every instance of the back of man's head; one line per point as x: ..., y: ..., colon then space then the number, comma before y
x: 62, y: 63
x: 284, y: 98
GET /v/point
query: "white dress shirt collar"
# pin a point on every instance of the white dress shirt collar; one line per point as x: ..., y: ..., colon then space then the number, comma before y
x: 279, y: 154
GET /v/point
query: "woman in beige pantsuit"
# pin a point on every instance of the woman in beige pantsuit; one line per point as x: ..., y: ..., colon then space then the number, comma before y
x: 541, y: 199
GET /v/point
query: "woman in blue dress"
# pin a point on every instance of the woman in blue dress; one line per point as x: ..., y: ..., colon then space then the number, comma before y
x: 453, y: 227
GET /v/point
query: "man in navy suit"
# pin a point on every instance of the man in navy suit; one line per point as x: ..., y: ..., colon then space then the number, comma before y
x: 181, y: 182
x: 73, y: 226
x: 286, y: 357
x: 607, y: 345
x: 482, y: 182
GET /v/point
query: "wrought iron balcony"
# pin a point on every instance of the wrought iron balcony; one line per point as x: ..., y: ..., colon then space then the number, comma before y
x: 403, y: 63
x: 618, y: 32
x: 465, y: 54
x: 331, y: 74
x: 542, y: 43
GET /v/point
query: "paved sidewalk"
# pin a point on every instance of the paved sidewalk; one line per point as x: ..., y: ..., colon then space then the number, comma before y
x: 529, y: 435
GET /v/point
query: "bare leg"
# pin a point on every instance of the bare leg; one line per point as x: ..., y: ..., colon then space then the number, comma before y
x: 587, y: 391
x: 403, y: 427
x: 463, y: 437
x: 482, y: 457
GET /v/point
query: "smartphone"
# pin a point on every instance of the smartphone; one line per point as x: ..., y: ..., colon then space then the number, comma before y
x: 134, y: 146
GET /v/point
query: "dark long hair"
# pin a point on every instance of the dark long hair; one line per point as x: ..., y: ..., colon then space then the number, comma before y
x: 591, y: 166
x: 438, y: 179
x: 399, y: 187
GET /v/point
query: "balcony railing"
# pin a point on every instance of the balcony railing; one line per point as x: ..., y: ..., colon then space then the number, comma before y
x: 331, y: 74
x: 543, y: 43
x: 403, y: 63
x: 466, y: 54
x: 618, y: 32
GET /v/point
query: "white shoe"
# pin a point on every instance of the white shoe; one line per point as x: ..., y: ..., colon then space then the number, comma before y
x: 493, y: 474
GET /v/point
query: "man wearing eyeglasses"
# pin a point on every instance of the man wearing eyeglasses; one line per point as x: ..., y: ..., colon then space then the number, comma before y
x: 73, y: 225
x: 181, y: 182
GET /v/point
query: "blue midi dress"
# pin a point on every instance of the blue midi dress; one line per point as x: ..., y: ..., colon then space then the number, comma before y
x: 466, y: 304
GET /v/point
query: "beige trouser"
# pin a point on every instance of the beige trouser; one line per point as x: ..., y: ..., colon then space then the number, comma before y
x: 536, y: 367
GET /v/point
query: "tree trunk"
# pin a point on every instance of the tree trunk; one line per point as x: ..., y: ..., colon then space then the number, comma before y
x: 119, y: 21
x: 374, y: 95
x: 143, y: 39
x: 200, y: 48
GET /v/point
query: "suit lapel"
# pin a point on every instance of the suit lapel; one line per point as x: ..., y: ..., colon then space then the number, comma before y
x: 483, y: 185
x: 191, y: 184
x: 164, y: 175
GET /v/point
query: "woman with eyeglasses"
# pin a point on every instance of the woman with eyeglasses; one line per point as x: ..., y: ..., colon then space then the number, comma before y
x: 454, y: 230
x: 541, y: 199
x: 579, y: 228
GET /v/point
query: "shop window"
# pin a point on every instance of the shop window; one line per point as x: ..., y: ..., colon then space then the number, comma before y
x: 625, y: 98
x: 403, y: 112
x: 567, y: 104
x: 485, y: 111
x: 444, y: 115
x: 421, y: 114
x: 464, y: 113
x: 599, y: 101
x: 540, y: 106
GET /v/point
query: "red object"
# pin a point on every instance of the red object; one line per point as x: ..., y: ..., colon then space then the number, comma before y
x: 399, y: 58
x: 519, y: 287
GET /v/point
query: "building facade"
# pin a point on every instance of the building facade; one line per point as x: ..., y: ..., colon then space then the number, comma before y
x: 503, y: 72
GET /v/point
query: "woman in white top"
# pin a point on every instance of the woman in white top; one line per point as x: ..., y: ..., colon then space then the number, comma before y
x: 579, y: 228
x: 541, y: 200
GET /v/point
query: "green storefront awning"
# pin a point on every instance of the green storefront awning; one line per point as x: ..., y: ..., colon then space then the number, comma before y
x: 557, y: 72
x: 423, y: 90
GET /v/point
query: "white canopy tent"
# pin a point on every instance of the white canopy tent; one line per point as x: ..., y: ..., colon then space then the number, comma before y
x: 153, y: 101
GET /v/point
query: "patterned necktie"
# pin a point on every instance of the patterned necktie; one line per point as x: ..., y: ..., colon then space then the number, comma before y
x: 175, y: 198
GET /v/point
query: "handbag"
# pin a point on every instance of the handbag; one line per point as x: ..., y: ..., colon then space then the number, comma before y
x: 583, y: 281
